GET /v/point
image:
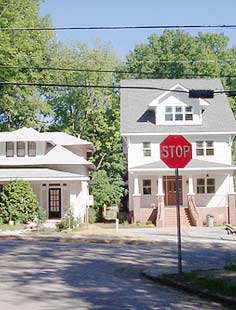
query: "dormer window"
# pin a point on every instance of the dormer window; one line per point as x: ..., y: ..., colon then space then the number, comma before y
x: 20, y: 149
x: 31, y: 149
x: 168, y: 113
x: 189, y: 113
x: 178, y: 113
x: 10, y: 149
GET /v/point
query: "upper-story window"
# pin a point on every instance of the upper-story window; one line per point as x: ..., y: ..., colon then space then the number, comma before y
x: 31, y: 149
x: 204, y: 148
x: 147, y: 149
x: 10, y: 149
x: 20, y: 149
x: 206, y: 186
x: 178, y: 113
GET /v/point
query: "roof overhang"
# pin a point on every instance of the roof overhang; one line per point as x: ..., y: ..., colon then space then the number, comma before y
x: 39, y: 174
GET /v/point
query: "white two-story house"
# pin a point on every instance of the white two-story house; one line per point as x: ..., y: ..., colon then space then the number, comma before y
x: 54, y: 163
x: 150, y: 111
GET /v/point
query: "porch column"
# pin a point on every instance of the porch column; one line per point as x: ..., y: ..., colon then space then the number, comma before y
x: 136, y: 201
x: 84, y: 188
x: 74, y: 199
x: 231, y: 184
x: 160, y: 186
x: 190, y: 186
x: 160, y: 203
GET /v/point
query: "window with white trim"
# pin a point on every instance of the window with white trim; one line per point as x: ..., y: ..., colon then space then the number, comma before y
x: 31, y: 149
x: 189, y: 113
x: 168, y: 113
x: 9, y: 149
x: 147, y: 149
x: 20, y: 149
x: 178, y: 113
x: 147, y: 187
x: 204, y: 148
x: 206, y: 186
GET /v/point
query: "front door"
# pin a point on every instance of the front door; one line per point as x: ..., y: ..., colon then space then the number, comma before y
x: 170, y: 190
x: 54, y: 203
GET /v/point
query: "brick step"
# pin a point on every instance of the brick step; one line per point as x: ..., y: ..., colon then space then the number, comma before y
x: 170, y: 217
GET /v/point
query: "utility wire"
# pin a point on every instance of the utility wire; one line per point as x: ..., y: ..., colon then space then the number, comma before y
x: 231, y: 92
x: 106, y: 71
x: 233, y: 26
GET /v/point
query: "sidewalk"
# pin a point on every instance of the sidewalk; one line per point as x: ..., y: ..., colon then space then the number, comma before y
x: 127, y: 235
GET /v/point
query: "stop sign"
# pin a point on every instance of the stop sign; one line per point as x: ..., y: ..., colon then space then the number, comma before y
x: 175, y: 151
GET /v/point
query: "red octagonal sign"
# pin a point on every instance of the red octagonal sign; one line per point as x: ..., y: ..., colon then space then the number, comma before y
x: 175, y: 151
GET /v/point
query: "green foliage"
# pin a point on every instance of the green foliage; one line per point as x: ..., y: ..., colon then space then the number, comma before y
x: 18, y: 202
x: 92, y: 215
x: 23, y: 106
x: 41, y: 214
x: 107, y: 190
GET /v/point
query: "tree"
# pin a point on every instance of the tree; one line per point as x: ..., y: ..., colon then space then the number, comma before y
x: 23, y: 106
x: 18, y: 202
x: 93, y: 113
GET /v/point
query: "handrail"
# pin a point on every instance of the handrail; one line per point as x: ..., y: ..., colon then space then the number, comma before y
x: 193, y: 213
x: 160, y: 211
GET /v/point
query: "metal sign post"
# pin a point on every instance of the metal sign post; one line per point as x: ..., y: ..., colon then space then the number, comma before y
x: 176, y: 152
x: 178, y: 221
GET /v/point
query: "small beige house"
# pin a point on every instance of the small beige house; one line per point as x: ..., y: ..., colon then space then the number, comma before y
x: 55, y: 164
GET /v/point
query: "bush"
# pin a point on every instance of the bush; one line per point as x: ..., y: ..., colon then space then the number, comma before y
x: 41, y: 215
x: 92, y: 215
x: 18, y: 202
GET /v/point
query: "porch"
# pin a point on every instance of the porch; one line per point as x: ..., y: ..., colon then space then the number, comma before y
x: 201, y: 193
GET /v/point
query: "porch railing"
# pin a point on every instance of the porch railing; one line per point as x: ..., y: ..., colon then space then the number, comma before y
x: 193, y: 213
x: 160, y: 211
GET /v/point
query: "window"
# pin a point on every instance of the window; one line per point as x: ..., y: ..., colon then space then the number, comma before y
x: 199, y: 148
x: 20, y: 149
x: 201, y: 186
x: 146, y: 149
x: 168, y: 113
x: 205, y: 186
x: 189, y: 113
x: 210, y: 186
x: 147, y: 187
x: 204, y: 148
x: 209, y: 148
x: 1, y: 188
x: 10, y: 149
x: 31, y: 149
x: 178, y: 113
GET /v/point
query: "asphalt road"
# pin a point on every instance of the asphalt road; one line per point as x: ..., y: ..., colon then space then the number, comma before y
x: 47, y: 275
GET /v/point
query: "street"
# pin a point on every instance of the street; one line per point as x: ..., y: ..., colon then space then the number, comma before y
x: 48, y: 275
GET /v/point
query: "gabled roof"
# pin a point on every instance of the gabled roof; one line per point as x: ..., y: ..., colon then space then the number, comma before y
x: 194, y: 164
x: 217, y: 117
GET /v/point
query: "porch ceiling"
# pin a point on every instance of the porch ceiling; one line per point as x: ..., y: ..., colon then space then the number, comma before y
x: 39, y: 174
x: 193, y: 165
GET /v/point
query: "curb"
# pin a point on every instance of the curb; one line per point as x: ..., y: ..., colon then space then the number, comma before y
x: 80, y: 239
x: 190, y: 289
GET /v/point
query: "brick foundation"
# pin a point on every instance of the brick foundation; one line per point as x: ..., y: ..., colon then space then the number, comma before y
x: 232, y: 209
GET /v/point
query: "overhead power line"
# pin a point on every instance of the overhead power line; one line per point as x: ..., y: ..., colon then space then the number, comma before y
x: 230, y: 92
x: 106, y: 71
x: 233, y: 26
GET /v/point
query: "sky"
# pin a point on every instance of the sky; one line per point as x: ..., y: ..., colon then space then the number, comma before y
x: 88, y: 13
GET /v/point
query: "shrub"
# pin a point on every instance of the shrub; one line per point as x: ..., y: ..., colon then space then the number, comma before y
x: 92, y: 215
x: 18, y: 202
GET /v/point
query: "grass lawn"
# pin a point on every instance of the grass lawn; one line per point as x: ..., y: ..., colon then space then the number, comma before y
x: 12, y: 227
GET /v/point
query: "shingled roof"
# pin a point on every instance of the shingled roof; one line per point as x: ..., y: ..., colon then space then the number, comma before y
x: 217, y: 117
